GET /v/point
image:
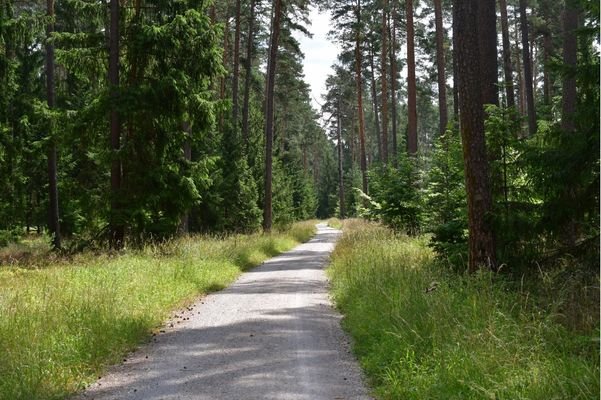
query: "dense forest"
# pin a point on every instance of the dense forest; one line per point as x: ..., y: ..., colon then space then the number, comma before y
x: 142, y: 120
x: 139, y: 121
x: 123, y: 123
x: 153, y: 150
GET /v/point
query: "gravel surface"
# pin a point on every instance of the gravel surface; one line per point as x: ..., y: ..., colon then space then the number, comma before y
x: 273, y: 334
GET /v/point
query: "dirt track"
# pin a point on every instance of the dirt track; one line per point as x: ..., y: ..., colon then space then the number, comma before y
x: 271, y: 335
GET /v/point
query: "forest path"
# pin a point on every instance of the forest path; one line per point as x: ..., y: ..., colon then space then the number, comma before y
x: 273, y: 334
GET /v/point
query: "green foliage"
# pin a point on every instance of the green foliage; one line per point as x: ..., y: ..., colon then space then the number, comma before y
x: 173, y: 59
x: 283, y: 206
x: 396, y: 190
x: 421, y: 332
x: 516, y: 201
x: 445, y: 202
x: 238, y: 189
x: 328, y: 187
x: 9, y: 236
x: 352, y: 196
x: 304, y: 197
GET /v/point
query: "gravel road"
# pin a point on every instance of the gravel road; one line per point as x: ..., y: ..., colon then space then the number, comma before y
x: 273, y: 334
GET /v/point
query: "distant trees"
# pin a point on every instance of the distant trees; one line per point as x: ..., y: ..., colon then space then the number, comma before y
x: 527, y: 69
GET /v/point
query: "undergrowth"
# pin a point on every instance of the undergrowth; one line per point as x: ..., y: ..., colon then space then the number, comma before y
x: 62, y: 324
x: 423, y: 332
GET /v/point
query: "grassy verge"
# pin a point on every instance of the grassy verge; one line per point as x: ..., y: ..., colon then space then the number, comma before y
x: 61, y: 325
x: 423, y: 333
x: 335, y: 223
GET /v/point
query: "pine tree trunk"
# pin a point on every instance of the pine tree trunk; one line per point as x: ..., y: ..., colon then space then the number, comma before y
x: 225, y: 61
x: 411, y: 83
x: 455, y: 76
x: 374, y: 96
x: 568, y: 101
x: 184, y: 226
x: 351, y: 142
x: 117, y: 230
x: 518, y: 68
x: 53, y: 214
x: 481, y: 238
x: 534, y: 62
x: 358, y: 76
x: 568, y: 84
x: 527, y: 69
x: 236, y: 71
x: 269, y: 113
x: 507, y: 67
x: 487, y: 44
x: 393, y: 74
x: 248, y: 75
x: 384, y: 74
x: 340, y: 170
x: 213, y: 13
x: 548, y: 55
x: 440, y: 65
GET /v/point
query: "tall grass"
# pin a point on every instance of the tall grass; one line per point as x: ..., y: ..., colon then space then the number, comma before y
x: 61, y: 325
x: 423, y: 333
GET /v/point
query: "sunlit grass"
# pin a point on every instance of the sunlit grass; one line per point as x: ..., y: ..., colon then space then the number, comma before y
x: 423, y: 333
x: 335, y: 223
x: 61, y: 325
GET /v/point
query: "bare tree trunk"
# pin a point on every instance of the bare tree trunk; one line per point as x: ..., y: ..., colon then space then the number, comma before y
x: 440, y: 64
x: 340, y: 169
x: 213, y: 13
x: 534, y: 50
x: 570, y: 46
x: 269, y: 112
x: 358, y: 63
x: 236, y: 71
x: 117, y: 230
x: 53, y: 212
x: 384, y: 74
x: 393, y: 74
x: 518, y: 63
x: 481, y: 237
x: 487, y: 43
x: 225, y: 61
x: 569, y: 98
x: 547, y: 54
x: 305, y: 164
x: 527, y: 69
x: 248, y: 76
x: 184, y: 226
x: 455, y: 75
x: 351, y: 142
x: 411, y: 83
x: 507, y: 55
x: 374, y: 96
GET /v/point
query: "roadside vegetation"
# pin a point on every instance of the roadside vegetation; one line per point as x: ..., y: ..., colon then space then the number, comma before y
x: 335, y: 223
x: 422, y: 331
x: 62, y: 323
